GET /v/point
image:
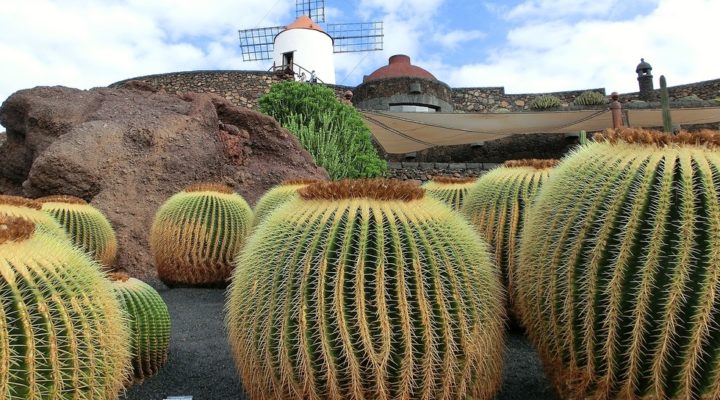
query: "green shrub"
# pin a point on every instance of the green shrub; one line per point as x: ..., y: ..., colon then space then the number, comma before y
x: 692, y: 97
x: 545, y: 102
x: 590, y: 98
x: 331, y: 131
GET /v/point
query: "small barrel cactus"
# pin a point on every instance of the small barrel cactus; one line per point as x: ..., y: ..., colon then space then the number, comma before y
x: 31, y: 210
x: 87, y: 227
x: 590, y: 98
x: 545, y: 102
x: 149, y: 324
x: 619, y: 268
x: 277, y: 196
x: 496, y: 207
x: 366, y: 290
x: 197, y: 233
x: 62, y: 332
x: 452, y: 191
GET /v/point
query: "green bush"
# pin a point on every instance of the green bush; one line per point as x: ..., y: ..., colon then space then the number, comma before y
x: 692, y: 97
x: 331, y: 131
x: 590, y: 98
x: 545, y: 102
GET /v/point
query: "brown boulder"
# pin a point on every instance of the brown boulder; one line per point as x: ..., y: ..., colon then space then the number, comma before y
x: 128, y: 150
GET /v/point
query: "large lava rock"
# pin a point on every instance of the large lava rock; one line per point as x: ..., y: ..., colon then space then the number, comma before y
x: 127, y: 150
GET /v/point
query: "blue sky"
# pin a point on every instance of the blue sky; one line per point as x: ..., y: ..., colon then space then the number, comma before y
x: 524, y: 45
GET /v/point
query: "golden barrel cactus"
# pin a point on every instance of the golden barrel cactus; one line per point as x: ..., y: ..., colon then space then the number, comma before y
x: 450, y: 190
x: 62, y: 332
x: 496, y: 207
x: 277, y: 196
x: 31, y: 210
x: 366, y: 290
x: 619, y: 268
x: 87, y: 227
x: 149, y: 322
x: 197, y: 233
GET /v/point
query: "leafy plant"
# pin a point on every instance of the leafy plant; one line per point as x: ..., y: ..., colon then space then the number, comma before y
x: 590, y: 98
x: 545, y: 102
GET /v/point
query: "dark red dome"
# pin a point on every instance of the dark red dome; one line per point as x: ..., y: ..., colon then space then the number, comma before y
x: 399, y: 67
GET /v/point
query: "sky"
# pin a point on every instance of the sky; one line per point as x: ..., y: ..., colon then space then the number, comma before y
x: 527, y: 46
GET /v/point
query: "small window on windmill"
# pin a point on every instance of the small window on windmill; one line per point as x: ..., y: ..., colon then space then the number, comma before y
x: 415, y: 88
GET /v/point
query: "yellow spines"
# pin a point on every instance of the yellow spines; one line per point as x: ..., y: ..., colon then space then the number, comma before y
x: 366, y: 290
x: 277, y: 196
x: 450, y: 190
x: 496, y: 205
x: 197, y: 233
x: 619, y: 268
x: 31, y: 210
x: 87, y: 227
x: 62, y: 332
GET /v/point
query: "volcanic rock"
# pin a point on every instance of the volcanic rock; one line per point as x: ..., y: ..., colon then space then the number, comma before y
x: 127, y: 150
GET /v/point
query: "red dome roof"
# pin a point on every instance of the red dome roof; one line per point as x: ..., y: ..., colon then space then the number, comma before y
x: 304, y: 22
x: 399, y: 66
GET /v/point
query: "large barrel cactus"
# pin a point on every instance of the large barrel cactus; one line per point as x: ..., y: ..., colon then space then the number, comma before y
x: 277, y: 196
x: 197, y: 233
x: 14, y: 206
x: 87, y: 227
x: 450, y: 190
x: 619, y: 268
x: 366, y: 290
x: 149, y: 321
x: 62, y: 332
x: 496, y: 207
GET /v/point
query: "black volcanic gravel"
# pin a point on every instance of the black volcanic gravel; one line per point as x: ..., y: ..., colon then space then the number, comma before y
x: 201, y: 365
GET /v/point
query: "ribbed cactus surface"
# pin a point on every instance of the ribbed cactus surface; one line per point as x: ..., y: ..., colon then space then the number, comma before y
x: 450, y: 190
x: 149, y: 322
x: 620, y: 267
x: 15, y: 206
x: 62, y: 333
x: 197, y: 233
x: 277, y: 196
x: 366, y: 290
x: 496, y: 208
x: 86, y: 225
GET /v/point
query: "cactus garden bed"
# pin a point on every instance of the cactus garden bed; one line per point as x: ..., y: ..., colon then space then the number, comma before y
x: 200, y: 362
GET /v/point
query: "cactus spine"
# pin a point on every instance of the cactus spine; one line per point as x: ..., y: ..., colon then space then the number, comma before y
x: 277, y: 196
x: 619, y: 268
x: 87, y: 227
x: 62, y: 332
x: 149, y: 322
x: 496, y: 207
x: 14, y: 206
x: 452, y: 191
x: 665, y: 103
x: 197, y: 233
x: 366, y: 290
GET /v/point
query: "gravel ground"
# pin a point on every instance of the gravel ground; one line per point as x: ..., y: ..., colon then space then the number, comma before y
x: 201, y: 365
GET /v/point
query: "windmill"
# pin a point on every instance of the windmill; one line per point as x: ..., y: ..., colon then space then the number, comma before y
x: 305, y: 46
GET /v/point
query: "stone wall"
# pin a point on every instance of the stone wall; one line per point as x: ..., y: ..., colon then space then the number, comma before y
x: 378, y: 94
x: 494, y: 99
x: 705, y: 90
x: 424, y: 171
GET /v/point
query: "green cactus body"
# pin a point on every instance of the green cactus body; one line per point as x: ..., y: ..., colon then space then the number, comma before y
x: 366, y: 290
x: 87, y: 227
x: 590, y: 98
x: 62, y: 332
x: 149, y: 324
x: 277, y: 196
x: 451, y: 191
x: 496, y: 207
x: 197, y: 233
x: 14, y: 206
x: 619, y: 268
x: 545, y: 102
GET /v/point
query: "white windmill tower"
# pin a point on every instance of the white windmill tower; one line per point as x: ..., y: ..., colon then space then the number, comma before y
x: 305, y: 46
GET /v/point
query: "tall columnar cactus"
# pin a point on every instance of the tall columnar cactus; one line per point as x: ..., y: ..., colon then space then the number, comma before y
x: 496, y: 208
x: 620, y: 265
x: 149, y: 322
x: 62, y: 333
x: 451, y: 191
x: 15, y: 206
x: 665, y: 104
x: 366, y: 290
x: 197, y: 233
x: 277, y: 196
x: 86, y: 225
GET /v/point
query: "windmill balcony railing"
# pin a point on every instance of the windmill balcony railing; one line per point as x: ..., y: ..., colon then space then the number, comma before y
x: 295, y: 71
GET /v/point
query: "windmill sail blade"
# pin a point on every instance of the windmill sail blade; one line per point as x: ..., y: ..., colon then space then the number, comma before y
x: 257, y: 44
x: 356, y: 37
x: 315, y: 9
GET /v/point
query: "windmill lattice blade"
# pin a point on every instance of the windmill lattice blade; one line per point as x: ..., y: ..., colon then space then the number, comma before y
x: 315, y: 9
x: 257, y: 44
x: 356, y: 37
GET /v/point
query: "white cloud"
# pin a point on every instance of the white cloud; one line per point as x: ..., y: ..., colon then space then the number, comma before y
x: 560, y: 8
x: 452, y: 39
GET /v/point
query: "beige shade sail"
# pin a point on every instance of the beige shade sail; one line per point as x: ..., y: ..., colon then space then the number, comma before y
x: 405, y: 132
